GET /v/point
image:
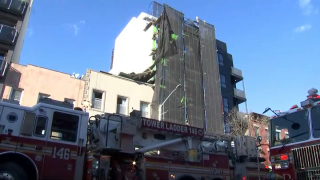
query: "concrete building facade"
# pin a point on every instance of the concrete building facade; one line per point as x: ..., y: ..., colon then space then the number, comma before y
x: 26, y: 84
x: 114, y: 94
x: 14, y: 20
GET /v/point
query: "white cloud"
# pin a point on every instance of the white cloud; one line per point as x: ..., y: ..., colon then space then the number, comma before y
x: 30, y: 31
x: 307, y: 7
x: 75, y: 27
x: 302, y: 28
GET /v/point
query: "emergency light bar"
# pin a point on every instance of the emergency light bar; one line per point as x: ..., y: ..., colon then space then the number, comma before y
x: 307, y: 103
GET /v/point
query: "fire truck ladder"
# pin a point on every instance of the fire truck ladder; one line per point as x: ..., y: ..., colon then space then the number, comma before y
x: 110, y: 118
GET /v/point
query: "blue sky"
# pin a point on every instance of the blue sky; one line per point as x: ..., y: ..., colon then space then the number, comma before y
x: 274, y: 42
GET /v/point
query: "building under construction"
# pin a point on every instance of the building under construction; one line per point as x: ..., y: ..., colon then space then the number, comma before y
x: 182, y: 64
x: 184, y: 71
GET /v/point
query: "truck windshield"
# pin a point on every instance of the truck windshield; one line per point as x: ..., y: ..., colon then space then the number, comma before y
x: 283, y: 128
x: 315, y: 116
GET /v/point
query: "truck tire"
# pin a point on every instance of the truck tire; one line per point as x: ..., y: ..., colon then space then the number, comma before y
x: 12, y: 171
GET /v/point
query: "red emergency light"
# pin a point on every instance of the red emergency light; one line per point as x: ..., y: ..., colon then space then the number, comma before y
x: 294, y: 106
x: 283, y: 157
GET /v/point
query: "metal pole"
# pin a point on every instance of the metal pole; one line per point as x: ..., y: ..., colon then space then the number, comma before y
x: 258, y: 162
x: 249, y: 130
x: 160, y: 106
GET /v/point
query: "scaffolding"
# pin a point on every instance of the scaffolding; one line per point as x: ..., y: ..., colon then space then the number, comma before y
x: 184, y: 55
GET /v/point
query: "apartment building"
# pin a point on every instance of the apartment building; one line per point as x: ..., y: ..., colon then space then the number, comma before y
x: 259, y: 127
x: 138, y: 54
x: 25, y: 85
x: 14, y: 20
x: 230, y: 77
x: 115, y: 94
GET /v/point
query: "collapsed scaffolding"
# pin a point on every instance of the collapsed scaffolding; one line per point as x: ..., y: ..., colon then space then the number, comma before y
x: 185, y: 65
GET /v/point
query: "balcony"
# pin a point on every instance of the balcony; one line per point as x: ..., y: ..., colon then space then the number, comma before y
x: 3, y: 67
x: 8, y: 35
x: 15, y: 7
x: 236, y: 75
x: 239, y: 96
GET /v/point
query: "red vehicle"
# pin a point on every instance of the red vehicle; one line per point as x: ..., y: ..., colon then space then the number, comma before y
x: 295, y: 140
x: 54, y: 141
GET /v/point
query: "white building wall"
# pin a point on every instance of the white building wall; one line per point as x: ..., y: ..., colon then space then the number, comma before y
x: 133, y: 47
x: 111, y: 87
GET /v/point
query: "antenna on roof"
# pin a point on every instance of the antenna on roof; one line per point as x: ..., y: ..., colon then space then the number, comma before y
x: 77, y: 75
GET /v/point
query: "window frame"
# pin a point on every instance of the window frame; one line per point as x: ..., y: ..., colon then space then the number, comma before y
x: 278, y: 132
x: 267, y: 133
x: 141, y: 102
x: 102, y: 99
x: 225, y: 106
x: 12, y: 91
x: 220, y: 61
x: 35, y: 126
x: 223, y: 83
x: 77, y: 131
x: 256, y: 130
x: 127, y: 104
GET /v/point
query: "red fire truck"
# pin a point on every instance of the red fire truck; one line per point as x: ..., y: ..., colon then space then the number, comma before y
x: 295, y: 140
x: 51, y: 140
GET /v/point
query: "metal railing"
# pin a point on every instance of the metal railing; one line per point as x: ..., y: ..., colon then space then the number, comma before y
x: 17, y: 7
x: 8, y: 34
x: 235, y: 71
x: 97, y: 103
x: 239, y: 93
x: 121, y: 109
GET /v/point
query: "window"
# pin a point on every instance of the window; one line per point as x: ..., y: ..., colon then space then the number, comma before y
x: 256, y: 131
x: 2, y: 57
x: 260, y: 150
x: 220, y: 59
x: 16, y: 95
x: 278, y: 137
x: 42, y: 96
x: 70, y: 101
x: 225, y: 105
x: 97, y: 99
x: 64, y: 127
x: 144, y: 108
x: 287, y: 135
x: 285, y: 124
x: 223, y: 81
x: 315, y: 116
x: 122, y: 105
x: 41, y: 124
x: 267, y: 134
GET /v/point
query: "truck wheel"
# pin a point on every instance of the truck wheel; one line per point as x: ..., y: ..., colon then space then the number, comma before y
x: 12, y: 171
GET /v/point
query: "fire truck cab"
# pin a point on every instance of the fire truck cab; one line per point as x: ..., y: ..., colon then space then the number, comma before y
x: 41, y: 142
x: 295, y: 140
x: 51, y: 140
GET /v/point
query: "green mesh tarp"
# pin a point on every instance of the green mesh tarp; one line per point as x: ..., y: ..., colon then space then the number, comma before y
x: 187, y: 68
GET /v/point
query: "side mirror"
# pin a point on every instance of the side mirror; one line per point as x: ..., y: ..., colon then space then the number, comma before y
x: 259, y: 139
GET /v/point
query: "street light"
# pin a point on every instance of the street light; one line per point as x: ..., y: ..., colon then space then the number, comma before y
x: 160, y: 106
